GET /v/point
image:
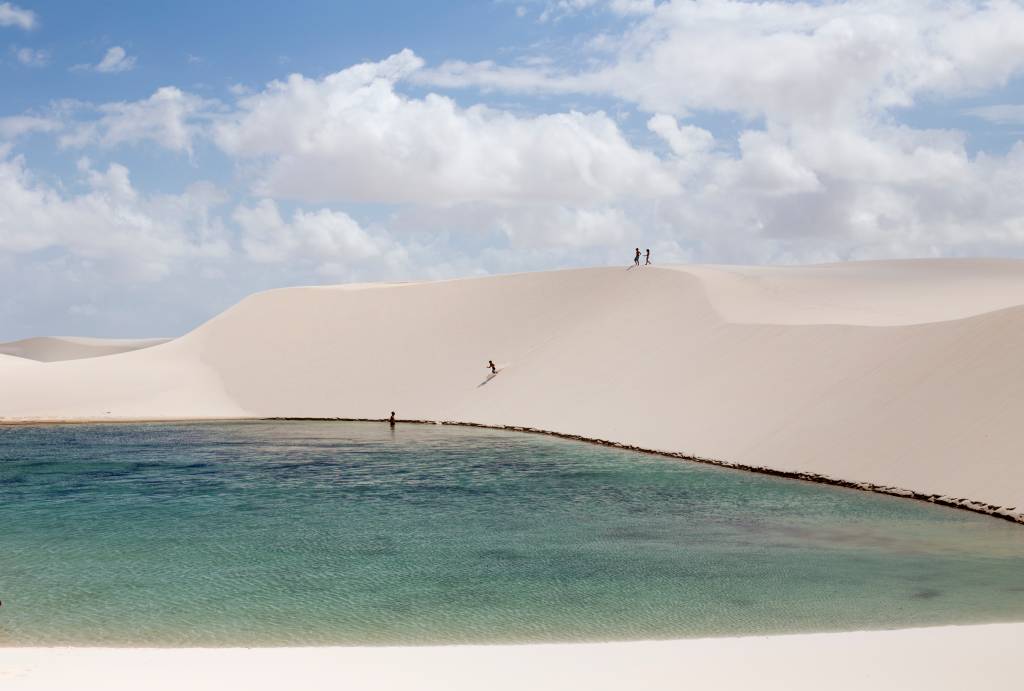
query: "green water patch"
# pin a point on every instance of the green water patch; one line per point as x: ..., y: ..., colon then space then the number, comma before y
x: 313, y: 533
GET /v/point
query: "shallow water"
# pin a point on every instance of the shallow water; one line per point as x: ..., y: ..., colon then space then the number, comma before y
x: 286, y: 533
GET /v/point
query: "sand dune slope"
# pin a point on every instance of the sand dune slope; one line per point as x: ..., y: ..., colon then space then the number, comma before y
x: 906, y: 374
x: 55, y: 348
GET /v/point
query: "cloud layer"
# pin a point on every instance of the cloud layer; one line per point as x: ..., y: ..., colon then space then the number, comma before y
x: 352, y: 137
x: 722, y: 132
x: 784, y: 61
x: 135, y: 236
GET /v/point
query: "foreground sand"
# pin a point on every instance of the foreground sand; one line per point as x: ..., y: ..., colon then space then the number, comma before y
x: 939, y: 658
x: 904, y: 375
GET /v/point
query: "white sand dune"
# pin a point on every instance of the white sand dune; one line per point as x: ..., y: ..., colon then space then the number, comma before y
x: 880, y: 293
x: 55, y: 348
x: 902, y: 374
x: 10, y: 361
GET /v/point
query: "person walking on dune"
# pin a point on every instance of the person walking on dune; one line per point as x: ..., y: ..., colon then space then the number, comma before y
x: 648, y: 258
x: 490, y: 363
x: 636, y: 259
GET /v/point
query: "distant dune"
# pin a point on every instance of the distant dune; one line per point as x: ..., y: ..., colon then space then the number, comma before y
x: 904, y: 374
x: 55, y: 348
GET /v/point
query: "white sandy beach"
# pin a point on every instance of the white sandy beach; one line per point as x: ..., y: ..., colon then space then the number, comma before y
x: 903, y: 374
x: 935, y: 659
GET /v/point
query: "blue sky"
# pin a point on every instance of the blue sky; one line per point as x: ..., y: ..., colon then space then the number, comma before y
x: 261, y: 42
x: 159, y: 161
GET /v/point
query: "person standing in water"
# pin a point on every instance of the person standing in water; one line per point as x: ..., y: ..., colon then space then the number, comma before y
x: 490, y: 363
x: 391, y: 420
x: 636, y: 258
x: 648, y: 258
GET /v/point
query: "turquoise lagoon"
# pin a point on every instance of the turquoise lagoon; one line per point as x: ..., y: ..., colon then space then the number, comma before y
x: 314, y: 533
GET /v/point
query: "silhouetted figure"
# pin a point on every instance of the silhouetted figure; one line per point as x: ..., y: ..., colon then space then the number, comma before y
x: 648, y: 258
x: 490, y: 363
x: 391, y: 420
x: 636, y: 259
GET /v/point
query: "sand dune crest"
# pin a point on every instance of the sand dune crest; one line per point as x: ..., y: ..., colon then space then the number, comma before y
x: 57, y: 348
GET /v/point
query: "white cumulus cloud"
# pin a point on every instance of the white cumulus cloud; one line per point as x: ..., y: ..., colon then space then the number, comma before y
x: 330, y: 240
x: 561, y: 227
x: 15, y: 126
x: 685, y: 140
x: 12, y: 15
x: 138, y: 236
x: 115, y: 60
x: 170, y: 118
x: 352, y: 137
x: 783, y: 60
x: 820, y: 168
x: 31, y: 57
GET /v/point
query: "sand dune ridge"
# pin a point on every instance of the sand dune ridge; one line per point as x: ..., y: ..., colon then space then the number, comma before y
x: 897, y: 374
